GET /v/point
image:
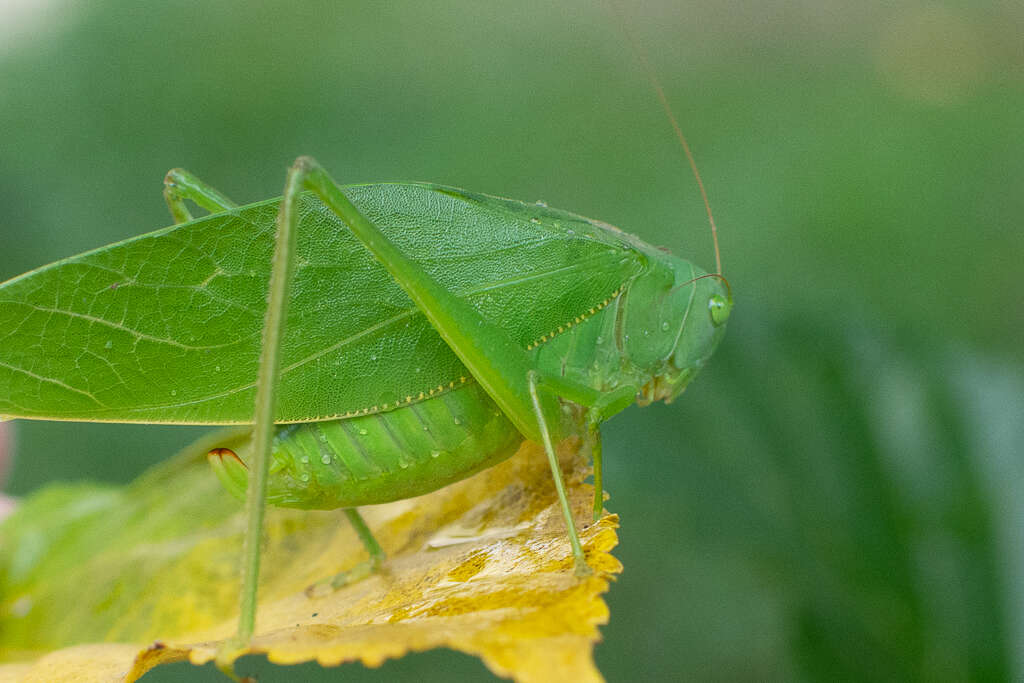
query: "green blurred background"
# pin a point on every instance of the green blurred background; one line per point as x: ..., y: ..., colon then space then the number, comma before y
x: 837, y: 497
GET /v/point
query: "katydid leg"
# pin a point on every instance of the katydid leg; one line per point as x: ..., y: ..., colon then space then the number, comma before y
x: 582, y: 569
x: 263, y: 419
x: 605, y: 406
x: 594, y: 442
x: 490, y: 355
x: 501, y: 367
x: 361, y: 570
x: 180, y: 185
x: 600, y: 406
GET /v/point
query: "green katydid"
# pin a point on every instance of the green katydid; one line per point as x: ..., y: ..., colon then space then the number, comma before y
x: 427, y: 332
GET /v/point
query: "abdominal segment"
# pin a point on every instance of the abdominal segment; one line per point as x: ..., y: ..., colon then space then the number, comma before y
x: 391, y: 455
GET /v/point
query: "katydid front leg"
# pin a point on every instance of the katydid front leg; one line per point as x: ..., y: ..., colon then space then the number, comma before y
x: 600, y: 406
x: 604, y: 406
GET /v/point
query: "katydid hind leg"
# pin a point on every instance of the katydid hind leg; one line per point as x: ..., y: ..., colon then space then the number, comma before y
x: 180, y: 185
x: 263, y: 419
x: 487, y: 351
x: 501, y: 367
x: 362, y: 570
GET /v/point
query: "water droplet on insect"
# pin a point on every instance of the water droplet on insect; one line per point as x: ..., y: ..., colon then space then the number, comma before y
x: 600, y: 340
x: 374, y: 357
x: 108, y: 345
x: 325, y: 459
x: 217, y: 369
x: 304, y: 460
x: 435, y: 454
x: 304, y: 477
x: 419, y: 369
x: 647, y: 333
x: 363, y: 432
x: 403, y: 464
x: 664, y: 326
x: 174, y: 392
x: 457, y: 421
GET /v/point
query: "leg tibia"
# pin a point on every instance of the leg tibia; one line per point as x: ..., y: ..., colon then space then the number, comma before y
x: 594, y: 441
x: 582, y: 569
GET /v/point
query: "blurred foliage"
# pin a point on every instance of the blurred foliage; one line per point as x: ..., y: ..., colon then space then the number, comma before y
x: 842, y: 501
x: 844, y: 507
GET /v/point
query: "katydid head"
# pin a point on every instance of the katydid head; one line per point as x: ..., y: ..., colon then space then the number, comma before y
x: 673, y: 320
x: 697, y: 306
x: 701, y: 328
x: 708, y: 302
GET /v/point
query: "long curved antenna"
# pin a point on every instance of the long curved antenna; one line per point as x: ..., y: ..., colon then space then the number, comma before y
x: 653, y: 78
x: 717, y: 276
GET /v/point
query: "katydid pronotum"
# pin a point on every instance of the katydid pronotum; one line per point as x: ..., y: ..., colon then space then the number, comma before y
x: 413, y: 335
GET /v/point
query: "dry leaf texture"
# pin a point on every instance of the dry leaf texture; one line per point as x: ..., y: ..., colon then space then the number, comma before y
x: 103, y: 584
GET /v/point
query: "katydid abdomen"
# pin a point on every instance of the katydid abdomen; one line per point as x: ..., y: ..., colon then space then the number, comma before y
x: 381, y: 457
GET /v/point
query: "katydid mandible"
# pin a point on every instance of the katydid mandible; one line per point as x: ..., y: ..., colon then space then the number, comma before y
x: 461, y: 325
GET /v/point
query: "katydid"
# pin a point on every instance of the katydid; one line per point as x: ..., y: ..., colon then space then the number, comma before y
x: 428, y: 331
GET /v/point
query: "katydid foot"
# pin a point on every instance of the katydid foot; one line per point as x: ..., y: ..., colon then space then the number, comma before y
x: 361, y: 570
x: 357, y: 573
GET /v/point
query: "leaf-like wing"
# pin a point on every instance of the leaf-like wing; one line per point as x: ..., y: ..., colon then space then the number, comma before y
x: 166, y: 327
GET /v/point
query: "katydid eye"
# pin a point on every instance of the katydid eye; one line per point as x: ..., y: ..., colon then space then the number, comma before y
x: 719, y: 308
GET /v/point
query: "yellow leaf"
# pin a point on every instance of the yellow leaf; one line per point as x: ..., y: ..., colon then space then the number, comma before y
x: 482, y: 566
